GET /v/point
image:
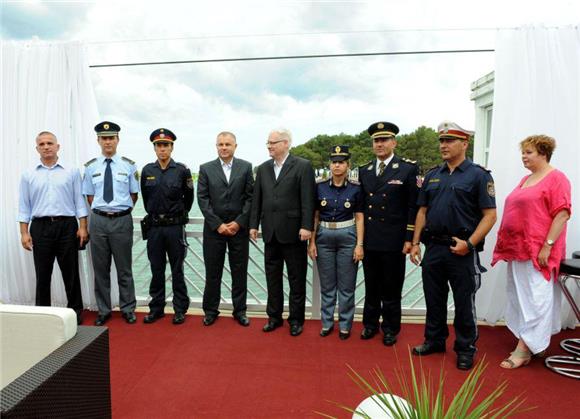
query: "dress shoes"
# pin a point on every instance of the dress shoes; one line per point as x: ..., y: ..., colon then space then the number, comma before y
x: 130, y: 317
x: 272, y: 325
x: 344, y: 334
x: 242, y: 319
x: 464, y: 362
x: 178, y: 318
x: 324, y: 332
x: 209, y: 319
x: 102, y: 319
x: 428, y: 348
x: 296, y: 329
x: 153, y: 317
x: 389, y: 339
x: 368, y: 333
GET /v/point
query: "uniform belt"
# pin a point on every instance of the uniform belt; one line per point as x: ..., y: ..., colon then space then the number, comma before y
x: 338, y: 224
x: 55, y: 218
x: 112, y: 214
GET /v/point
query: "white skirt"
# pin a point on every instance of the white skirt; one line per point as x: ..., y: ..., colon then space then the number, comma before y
x: 533, y: 305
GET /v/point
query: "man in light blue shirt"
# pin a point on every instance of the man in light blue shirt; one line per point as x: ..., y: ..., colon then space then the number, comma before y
x: 111, y: 185
x: 50, y: 203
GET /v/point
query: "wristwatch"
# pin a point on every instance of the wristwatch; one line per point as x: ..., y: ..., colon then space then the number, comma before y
x: 470, y: 245
x: 550, y: 242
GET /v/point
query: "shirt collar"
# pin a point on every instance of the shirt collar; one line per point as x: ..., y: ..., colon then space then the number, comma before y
x: 386, y: 161
x: 115, y: 158
x: 283, y: 161
x: 59, y: 162
x: 332, y: 185
x: 228, y: 165
x: 171, y: 163
x: 462, y: 167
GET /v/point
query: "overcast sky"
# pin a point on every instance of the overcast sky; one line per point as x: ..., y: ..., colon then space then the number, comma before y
x: 310, y: 97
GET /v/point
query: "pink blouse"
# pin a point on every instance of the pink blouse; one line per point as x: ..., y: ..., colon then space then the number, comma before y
x: 527, y: 217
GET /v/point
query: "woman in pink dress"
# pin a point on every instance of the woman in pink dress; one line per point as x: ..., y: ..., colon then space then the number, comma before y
x: 532, y: 240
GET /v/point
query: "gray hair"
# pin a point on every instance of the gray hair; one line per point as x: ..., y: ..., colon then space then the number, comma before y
x: 46, y: 133
x: 284, y: 133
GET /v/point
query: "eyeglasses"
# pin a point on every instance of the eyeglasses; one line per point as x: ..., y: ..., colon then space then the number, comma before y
x: 274, y: 142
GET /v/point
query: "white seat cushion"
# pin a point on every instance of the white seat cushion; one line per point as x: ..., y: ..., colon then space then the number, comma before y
x: 28, y: 334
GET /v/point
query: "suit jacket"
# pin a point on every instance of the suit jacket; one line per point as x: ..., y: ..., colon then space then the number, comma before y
x: 221, y: 201
x: 390, y: 204
x: 284, y: 205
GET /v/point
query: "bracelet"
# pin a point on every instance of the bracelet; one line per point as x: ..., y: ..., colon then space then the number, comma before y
x: 360, y: 244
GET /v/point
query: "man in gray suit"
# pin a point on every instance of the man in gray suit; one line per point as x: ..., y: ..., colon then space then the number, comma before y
x: 224, y: 194
x: 284, y: 204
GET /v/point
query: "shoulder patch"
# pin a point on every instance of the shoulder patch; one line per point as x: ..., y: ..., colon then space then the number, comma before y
x: 128, y: 160
x: 409, y: 160
x: 87, y: 164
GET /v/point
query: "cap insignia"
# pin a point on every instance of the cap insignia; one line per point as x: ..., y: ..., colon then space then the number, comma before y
x: 106, y: 126
x: 381, y: 125
x: 161, y: 135
x: 337, y: 149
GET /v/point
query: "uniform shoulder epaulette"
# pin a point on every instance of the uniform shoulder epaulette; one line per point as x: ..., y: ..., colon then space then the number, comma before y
x: 182, y: 164
x: 353, y: 181
x: 432, y: 168
x: 409, y: 160
x: 482, y: 167
x: 366, y: 164
x: 91, y: 161
x: 128, y: 160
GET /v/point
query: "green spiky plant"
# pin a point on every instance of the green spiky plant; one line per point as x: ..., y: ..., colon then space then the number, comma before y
x: 426, y: 399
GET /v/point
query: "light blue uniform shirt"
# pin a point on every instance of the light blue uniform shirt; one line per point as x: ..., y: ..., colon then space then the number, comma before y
x: 125, y: 182
x: 51, y: 192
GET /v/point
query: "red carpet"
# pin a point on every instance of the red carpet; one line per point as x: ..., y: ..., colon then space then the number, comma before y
x: 227, y: 371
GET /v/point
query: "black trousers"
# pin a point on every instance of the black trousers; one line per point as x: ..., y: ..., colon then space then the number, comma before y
x: 170, y: 241
x: 56, y: 240
x: 442, y: 269
x: 214, y: 253
x: 384, y: 277
x: 294, y: 255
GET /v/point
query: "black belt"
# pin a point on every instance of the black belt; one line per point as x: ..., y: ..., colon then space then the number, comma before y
x: 55, y: 218
x: 111, y: 214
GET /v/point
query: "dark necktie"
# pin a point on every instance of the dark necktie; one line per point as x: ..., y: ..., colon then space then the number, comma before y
x: 382, y: 166
x: 108, y: 189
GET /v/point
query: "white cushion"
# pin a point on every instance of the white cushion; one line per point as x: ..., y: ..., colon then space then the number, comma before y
x: 28, y: 334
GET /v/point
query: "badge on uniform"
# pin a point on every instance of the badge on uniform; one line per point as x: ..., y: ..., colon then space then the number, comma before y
x: 395, y: 165
x: 491, y: 189
x: 371, y: 167
x: 347, y: 204
x: 419, y: 181
x: 323, y: 203
x: 395, y: 182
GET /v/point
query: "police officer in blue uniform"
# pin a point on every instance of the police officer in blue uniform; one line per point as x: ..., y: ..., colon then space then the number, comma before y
x: 337, y: 242
x: 389, y: 185
x: 167, y: 189
x: 457, y: 210
x: 111, y: 186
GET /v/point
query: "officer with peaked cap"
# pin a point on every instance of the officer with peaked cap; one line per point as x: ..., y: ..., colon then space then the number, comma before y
x: 167, y: 189
x: 456, y: 211
x: 389, y: 184
x: 337, y: 242
x: 111, y: 186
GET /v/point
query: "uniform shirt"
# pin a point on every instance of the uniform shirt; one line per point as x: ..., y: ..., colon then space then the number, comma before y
x: 338, y: 203
x: 125, y: 182
x: 167, y: 191
x: 454, y: 200
x: 50, y: 192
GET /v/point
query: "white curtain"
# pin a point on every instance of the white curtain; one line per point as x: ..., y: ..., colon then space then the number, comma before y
x: 537, y: 91
x: 45, y: 86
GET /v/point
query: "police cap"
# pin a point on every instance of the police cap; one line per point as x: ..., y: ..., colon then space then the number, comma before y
x: 339, y: 153
x: 450, y: 130
x: 162, y: 135
x: 107, y: 129
x: 383, y: 130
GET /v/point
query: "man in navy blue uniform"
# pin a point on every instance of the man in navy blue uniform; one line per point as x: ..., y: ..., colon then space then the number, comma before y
x: 167, y: 189
x: 389, y: 186
x: 456, y: 211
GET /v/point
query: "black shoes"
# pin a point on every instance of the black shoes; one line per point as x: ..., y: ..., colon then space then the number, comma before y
x: 178, y: 318
x: 296, y: 329
x: 242, y: 319
x: 368, y: 333
x: 344, y: 334
x: 153, y: 317
x: 272, y: 325
x: 325, y: 332
x: 102, y: 319
x: 389, y: 339
x: 130, y: 317
x: 428, y: 348
x: 209, y: 319
x: 464, y: 362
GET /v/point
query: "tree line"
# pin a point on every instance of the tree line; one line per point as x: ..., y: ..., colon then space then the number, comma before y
x: 421, y: 145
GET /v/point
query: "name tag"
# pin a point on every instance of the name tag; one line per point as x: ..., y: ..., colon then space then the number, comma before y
x: 96, y: 174
x: 433, y: 180
x: 122, y: 174
x: 150, y: 177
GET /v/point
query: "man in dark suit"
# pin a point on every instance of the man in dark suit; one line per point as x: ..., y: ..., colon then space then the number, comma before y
x: 284, y: 203
x: 224, y: 194
x: 389, y: 185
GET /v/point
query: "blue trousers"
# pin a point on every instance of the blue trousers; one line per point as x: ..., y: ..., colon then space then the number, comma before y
x: 337, y: 272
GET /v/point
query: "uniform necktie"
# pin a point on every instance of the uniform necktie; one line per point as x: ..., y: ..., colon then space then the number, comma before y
x: 381, y: 168
x: 108, y: 189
